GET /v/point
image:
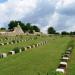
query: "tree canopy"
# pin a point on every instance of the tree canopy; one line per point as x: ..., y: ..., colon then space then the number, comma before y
x: 51, y: 30
x: 2, y: 28
x: 64, y: 33
x: 36, y: 28
x: 26, y: 27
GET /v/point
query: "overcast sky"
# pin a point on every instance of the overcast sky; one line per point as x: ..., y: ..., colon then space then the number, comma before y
x: 44, y: 13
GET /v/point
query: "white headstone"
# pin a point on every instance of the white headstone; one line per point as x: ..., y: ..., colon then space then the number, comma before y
x: 33, y: 46
x: 25, y: 48
x: 64, y: 63
x: 67, y: 58
x: 2, y: 43
x: 70, y: 48
x: 37, y: 45
x: 20, y: 50
x: 25, y: 40
x: 29, y: 47
x: 7, y: 43
x: 22, y: 40
x: 68, y: 52
x: 60, y: 70
x: 12, y: 43
x: 4, y: 55
x: 12, y: 52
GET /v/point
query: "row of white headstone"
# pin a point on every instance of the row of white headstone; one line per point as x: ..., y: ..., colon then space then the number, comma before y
x: 15, y: 41
x: 3, y: 55
x: 6, y: 39
x: 64, y: 61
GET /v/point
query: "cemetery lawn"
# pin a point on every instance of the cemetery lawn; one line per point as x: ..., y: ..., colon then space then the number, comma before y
x: 36, y: 61
x: 71, y: 64
x: 7, y: 48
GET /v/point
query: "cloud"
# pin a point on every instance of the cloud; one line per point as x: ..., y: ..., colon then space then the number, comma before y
x: 66, y: 11
x: 41, y: 15
x: 44, y: 13
x: 15, y: 9
x: 1, y: 1
x: 66, y: 8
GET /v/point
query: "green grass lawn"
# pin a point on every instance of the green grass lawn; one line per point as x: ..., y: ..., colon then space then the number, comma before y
x: 37, y: 61
x: 7, y: 48
x: 71, y: 64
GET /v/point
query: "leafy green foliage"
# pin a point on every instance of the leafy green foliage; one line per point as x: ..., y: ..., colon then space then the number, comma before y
x: 64, y: 33
x: 16, y: 50
x: 51, y: 30
x: 36, y: 28
x: 26, y: 27
x: 12, y: 24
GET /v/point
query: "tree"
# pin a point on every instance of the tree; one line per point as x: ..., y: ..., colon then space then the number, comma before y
x: 36, y: 28
x: 72, y: 33
x: 51, y: 30
x: 2, y: 28
x: 25, y: 27
x: 12, y: 24
x: 64, y: 33
x: 28, y: 26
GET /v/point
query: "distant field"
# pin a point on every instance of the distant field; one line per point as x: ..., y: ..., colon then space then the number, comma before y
x: 42, y: 60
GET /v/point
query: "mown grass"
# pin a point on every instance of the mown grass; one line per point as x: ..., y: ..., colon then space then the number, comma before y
x: 7, y: 48
x: 71, y: 64
x: 42, y: 60
x: 59, y: 73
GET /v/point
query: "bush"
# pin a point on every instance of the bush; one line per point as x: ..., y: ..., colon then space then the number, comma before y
x: 5, y: 43
x: 13, y: 41
x: 23, y: 49
x: 16, y: 50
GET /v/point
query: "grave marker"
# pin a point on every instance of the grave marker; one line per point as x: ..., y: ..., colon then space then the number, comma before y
x: 12, y: 52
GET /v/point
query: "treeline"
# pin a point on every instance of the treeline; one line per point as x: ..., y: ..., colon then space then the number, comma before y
x: 28, y: 27
x: 2, y: 29
x: 52, y: 30
x: 68, y: 33
x: 25, y: 27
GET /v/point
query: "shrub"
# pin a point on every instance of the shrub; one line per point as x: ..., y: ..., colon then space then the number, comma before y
x: 16, y: 50
x: 13, y: 41
x: 23, y: 49
x: 5, y: 43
